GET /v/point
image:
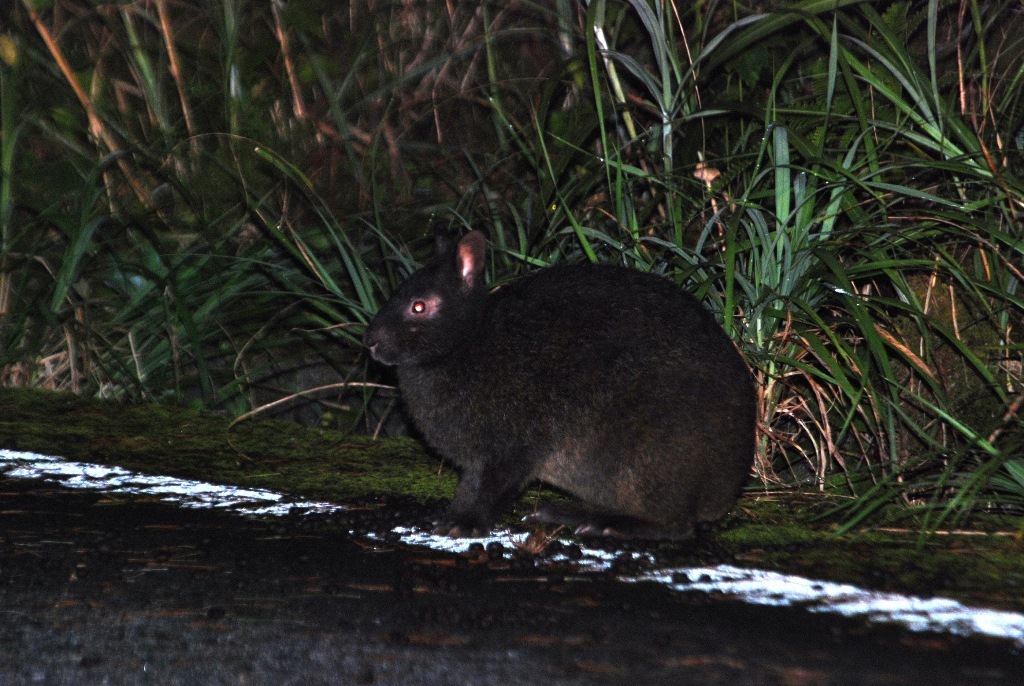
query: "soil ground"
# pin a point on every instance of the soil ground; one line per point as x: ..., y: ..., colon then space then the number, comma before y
x: 101, y: 591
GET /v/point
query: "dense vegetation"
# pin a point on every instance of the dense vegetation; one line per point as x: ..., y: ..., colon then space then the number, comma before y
x: 205, y: 201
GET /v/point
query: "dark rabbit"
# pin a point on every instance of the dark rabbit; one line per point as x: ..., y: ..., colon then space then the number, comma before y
x: 608, y: 383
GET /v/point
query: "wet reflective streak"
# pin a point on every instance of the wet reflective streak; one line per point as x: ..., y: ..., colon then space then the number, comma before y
x: 772, y: 588
x: 184, y: 492
x: 751, y: 585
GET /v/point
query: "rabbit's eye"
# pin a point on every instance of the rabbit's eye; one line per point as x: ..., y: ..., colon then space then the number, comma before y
x: 424, y: 308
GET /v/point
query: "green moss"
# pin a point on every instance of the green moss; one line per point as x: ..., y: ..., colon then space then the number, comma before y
x: 786, y: 533
x: 315, y: 463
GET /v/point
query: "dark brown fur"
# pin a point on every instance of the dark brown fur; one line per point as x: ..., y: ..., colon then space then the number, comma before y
x: 611, y: 384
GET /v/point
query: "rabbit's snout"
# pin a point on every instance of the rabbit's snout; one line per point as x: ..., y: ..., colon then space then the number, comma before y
x: 375, y: 341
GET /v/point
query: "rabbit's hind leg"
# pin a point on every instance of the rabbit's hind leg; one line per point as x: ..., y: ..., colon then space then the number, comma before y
x: 587, y: 521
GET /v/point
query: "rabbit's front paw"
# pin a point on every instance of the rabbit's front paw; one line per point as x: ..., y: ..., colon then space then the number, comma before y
x: 461, y: 527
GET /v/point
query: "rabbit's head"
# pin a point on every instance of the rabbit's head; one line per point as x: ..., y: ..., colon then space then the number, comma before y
x: 436, y: 310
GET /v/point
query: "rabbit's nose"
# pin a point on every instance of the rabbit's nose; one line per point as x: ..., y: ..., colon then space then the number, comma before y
x: 373, y: 345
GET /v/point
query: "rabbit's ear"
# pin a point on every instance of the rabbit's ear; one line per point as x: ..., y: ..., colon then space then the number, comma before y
x: 469, y: 258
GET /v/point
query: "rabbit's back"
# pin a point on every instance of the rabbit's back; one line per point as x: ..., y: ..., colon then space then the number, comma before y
x: 600, y: 310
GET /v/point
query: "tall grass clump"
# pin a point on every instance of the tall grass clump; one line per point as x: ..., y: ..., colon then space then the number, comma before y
x: 858, y: 229
x: 207, y: 202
